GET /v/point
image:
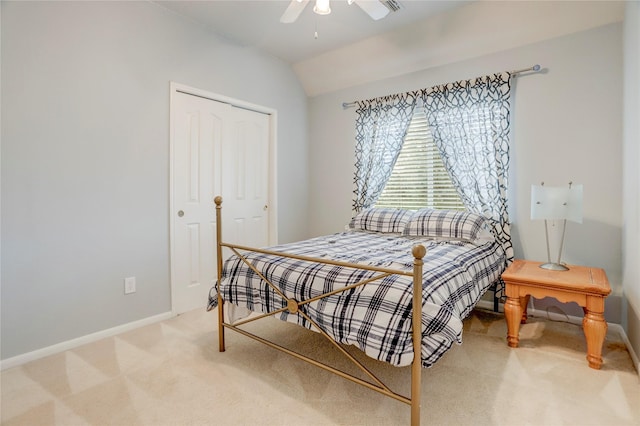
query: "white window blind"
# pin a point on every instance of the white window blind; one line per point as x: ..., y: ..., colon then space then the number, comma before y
x: 419, y: 178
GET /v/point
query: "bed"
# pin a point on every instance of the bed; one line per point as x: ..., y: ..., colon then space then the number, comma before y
x: 358, y: 287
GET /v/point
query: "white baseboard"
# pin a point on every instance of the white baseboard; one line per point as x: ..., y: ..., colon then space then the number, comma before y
x: 555, y: 316
x: 625, y: 339
x: 83, y: 340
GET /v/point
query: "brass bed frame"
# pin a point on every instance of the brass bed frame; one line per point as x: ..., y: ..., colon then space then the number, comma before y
x: 293, y: 307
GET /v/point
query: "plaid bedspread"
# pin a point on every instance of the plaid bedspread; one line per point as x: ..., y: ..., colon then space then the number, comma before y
x: 375, y: 317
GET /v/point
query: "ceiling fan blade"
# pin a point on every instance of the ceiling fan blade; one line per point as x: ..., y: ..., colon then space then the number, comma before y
x: 294, y: 10
x: 374, y: 8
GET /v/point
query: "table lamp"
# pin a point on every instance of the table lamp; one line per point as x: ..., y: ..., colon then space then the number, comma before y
x: 556, y: 203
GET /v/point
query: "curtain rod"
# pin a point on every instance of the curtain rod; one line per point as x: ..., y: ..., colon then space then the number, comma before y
x: 534, y: 68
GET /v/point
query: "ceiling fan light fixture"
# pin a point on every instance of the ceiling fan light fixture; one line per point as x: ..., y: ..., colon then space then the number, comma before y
x: 322, y: 7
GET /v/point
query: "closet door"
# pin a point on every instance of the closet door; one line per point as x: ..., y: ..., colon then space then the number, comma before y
x: 245, y: 179
x: 217, y: 149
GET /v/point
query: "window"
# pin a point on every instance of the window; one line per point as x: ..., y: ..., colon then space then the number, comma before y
x: 419, y: 178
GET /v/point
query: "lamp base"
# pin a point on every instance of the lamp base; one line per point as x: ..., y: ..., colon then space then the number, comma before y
x: 554, y: 266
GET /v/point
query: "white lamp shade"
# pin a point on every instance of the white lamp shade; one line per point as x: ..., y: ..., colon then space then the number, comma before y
x: 556, y: 203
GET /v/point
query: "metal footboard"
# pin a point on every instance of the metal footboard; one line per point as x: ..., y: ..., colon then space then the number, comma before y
x: 297, y: 307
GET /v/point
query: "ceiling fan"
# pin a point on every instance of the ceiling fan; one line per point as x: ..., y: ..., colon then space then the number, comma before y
x: 377, y: 9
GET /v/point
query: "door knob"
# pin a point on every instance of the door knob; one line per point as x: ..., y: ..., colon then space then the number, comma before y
x: 180, y: 213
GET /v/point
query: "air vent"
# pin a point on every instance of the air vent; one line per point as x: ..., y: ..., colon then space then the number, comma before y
x: 392, y: 5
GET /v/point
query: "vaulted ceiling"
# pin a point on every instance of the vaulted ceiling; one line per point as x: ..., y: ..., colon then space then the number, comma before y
x: 257, y: 23
x: 351, y: 48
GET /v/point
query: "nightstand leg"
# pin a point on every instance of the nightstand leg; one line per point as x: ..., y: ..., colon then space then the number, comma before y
x: 595, y: 330
x: 513, y: 315
x: 524, y: 303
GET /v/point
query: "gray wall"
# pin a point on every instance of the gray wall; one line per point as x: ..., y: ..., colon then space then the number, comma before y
x: 85, y: 157
x: 84, y: 172
x: 631, y: 240
x: 567, y: 126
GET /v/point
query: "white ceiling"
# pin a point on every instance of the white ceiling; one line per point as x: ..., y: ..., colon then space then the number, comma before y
x: 352, y: 49
x: 257, y: 23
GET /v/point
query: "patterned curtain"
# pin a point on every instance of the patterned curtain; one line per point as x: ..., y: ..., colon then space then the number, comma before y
x: 470, y: 124
x: 381, y: 126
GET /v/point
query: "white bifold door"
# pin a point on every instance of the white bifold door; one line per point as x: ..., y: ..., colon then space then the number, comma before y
x: 217, y: 149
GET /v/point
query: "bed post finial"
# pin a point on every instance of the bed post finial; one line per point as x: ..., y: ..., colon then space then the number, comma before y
x: 218, y: 200
x: 419, y: 251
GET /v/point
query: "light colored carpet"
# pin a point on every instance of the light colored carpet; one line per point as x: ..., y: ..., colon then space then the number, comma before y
x: 171, y: 373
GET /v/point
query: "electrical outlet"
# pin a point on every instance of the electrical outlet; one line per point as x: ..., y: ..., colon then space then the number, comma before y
x: 129, y: 285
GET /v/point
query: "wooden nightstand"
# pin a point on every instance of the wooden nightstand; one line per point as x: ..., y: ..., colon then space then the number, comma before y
x: 586, y: 286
